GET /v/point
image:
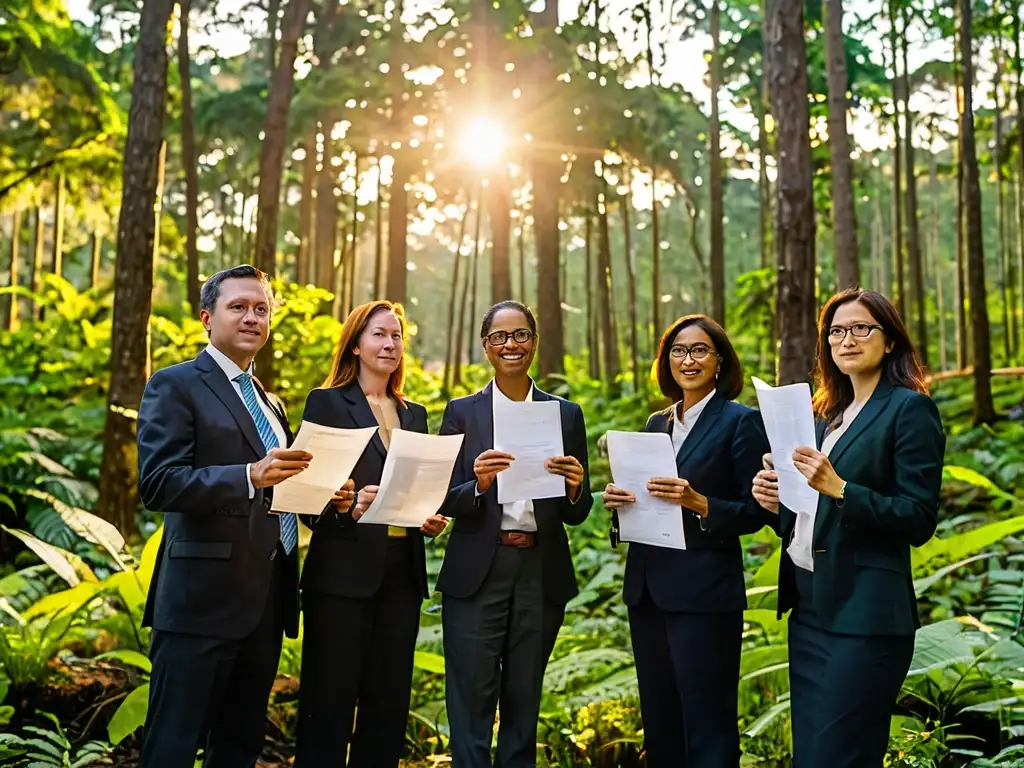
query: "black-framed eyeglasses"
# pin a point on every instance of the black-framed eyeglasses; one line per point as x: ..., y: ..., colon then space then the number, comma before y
x: 500, y: 338
x: 837, y: 333
x: 696, y: 352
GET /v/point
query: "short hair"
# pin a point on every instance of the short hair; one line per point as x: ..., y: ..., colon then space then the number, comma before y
x: 211, y: 288
x: 730, y: 376
x: 345, y: 367
x: 485, y: 326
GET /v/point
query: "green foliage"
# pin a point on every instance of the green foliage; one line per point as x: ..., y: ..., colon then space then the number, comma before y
x: 50, y: 748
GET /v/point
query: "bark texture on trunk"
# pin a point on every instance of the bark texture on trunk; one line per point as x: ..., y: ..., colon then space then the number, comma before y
x: 499, y: 213
x: 398, y: 221
x: 547, y: 182
x: 715, y: 162
x: 913, y: 236
x: 631, y: 295
x: 189, y: 159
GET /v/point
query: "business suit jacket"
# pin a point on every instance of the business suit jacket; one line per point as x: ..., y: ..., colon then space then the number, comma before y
x: 474, y: 537
x: 215, y: 563
x: 719, y: 458
x: 891, y: 457
x: 346, y: 559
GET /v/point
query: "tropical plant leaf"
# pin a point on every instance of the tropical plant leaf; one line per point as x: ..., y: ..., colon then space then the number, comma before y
x: 130, y: 716
x: 130, y: 657
x: 90, y: 527
x: 54, y: 557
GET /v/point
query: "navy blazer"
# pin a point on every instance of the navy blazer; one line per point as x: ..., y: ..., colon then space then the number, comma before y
x: 719, y: 458
x: 474, y: 538
x: 891, y: 457
x: 215, y: 562
x: 345, y: 558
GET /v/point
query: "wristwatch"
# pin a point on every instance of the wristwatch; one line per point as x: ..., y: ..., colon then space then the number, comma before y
x: 842, y: 494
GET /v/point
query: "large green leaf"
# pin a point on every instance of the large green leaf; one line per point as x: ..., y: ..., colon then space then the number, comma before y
x: 962, y: 545
x: 130, y: 716
x: 429, y: 662
x: 130, y: 657
x: 940, y: 645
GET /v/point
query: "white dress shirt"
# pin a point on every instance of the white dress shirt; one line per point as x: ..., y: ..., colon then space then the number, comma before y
x: 681, y: 427
x: 516, y: 515
x: 801, y: 547
x: 231, y: 370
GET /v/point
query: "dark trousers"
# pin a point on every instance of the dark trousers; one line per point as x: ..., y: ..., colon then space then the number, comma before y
x: 357, y: 658
x: 206, y: 691
x: 496, y: 647
x: 688, y: 668
x: 843, y: 691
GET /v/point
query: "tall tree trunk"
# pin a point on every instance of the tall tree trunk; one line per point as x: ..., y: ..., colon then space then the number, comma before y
x: 913, y: 238
x: 326, y: 210
x: 547, y: 175
x: 655, y: 265
x: 763, y: 185
x: 36, y: 277
x: 499, y: 213
x: 717, y: 194
x: 631, y: 294
x: 897, y: 192
x: 225, y: 215
x: 844, y: 218
x: 606, y: 294
x: 378, y: 239
x: 937, y: 265
x: 452, y: 296
x: 461, y: 332
x: 305, y: 258
x: 58, y: 225
x: 97, y: 258
x: 984, y: 409
x: 795, y: 227
x: 1001, y: 223
x: 118, y: 499
x: 521, y: 237
x: 189, y: 160
x: 593, y: 296
x: 398, y: 222
x: 961, y: 284
x: 273, y: 11
x: 353, y: 254
x: 1018, y: 67
x: 13, y: 312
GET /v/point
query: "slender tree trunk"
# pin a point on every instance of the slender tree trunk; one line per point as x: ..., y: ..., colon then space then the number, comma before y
x: 225, y: 215
x: 452, y: 332
x: 1001, y: 223
x: 305, y: 259
x: 592, y: 295
x: 118, y: 499
x: 937, y: 265
x: 763, y: 185
x: 546, y: 186
x: 353, y: 270
x: 795, y: 227
x: 14, y: 309
x: 717, y: 192
x: 327, y: 211
x: 631, y: 295
x: 460, y: 330
x: 271, y: 158
x: 97, y: 259
x: 378, y: 240
x: 1018, y: 67
x: 398, y: 222
x: 58, y: 225
x: 472, y: 291
x: 913, y: 238
x: 878, y: 237
x: 499, y: 213
x: 522, y: 258
x: 273, y: 11
x: 984, y: 409
x: 655, y: 265
x: 844, y: 218
x: 606, y: 294
x: 189, y: 160
x: 36, y: 278
x: 961, y: 285
x: 897, y: 164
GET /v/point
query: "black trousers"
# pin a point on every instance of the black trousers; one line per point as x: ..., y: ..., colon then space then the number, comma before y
x: 688, y: 669
x: 206, y: 691
x: 357, y: 658
x: 496, y: 647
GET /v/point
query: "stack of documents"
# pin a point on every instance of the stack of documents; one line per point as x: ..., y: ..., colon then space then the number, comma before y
x: 635, y: 458
x: 532, y: 433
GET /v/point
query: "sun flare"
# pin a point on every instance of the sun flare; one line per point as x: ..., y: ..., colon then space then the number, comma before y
x: 481, y: 142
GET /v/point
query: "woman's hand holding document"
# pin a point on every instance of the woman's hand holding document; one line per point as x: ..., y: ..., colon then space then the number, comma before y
x: 789, y: 422
x: 531, y: 433
x: 335, y: 453
x: 635, y: 458
x: 415, y: 480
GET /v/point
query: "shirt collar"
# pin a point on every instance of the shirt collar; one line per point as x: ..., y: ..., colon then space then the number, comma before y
x: 499, y: 396
x: 690, y: 417
x: 229, y: 366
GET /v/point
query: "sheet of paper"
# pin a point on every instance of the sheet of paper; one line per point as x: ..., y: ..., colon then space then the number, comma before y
x: 335, y: 453
x: 532, y: 433
x: 789, y: 422
x: 415, y: 480
x: 635, y: 458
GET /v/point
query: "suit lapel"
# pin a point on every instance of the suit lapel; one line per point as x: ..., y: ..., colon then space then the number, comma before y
x: 483, y: 412
x: 216, y: 380
x: 819, y: 432
x: 405, y: 416
x: 362, y: 414
x: 700, y: 430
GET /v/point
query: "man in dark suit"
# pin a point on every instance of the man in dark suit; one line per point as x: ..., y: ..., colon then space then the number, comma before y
x: 507, y: 571
x: 212, y: 444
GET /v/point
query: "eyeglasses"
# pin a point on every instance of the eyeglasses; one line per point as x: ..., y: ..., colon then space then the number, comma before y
x: 697, y: 351
x: 500, y: 338
x: 837, y: 333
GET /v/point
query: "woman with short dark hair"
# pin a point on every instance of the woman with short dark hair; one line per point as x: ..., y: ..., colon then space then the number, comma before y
x: 686, y: 606
x: 845, y: 568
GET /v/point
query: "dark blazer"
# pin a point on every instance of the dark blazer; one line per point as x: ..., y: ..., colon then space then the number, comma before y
x: 215, y: 563
x: 719, y: 458
x: 347, y: 559
x: 891, y: 458
x: 474, y: 537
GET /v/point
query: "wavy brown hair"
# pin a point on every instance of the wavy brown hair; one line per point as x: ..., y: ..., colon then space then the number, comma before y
x: 345, y: 367
x: 730, y: 376
x: 901, y: 367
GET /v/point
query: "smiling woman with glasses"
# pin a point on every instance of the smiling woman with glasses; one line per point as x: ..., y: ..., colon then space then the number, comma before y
x: 845, y: 568
x: 686, y: 606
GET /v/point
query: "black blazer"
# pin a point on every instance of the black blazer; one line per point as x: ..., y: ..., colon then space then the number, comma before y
x: 215, y: 562
x: 474, y: 538
x: 347, y: 559
x: 719, y: 458
x: 891, y: 458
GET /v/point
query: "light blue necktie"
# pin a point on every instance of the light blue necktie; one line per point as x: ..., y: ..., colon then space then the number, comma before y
x: 289, y: 526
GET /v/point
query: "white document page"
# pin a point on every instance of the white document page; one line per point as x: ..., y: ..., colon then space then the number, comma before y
x: 635, y: 458
x: 789, y: 422
x: 532, y: 433
x: 415, y: 480
x: 335, y: 453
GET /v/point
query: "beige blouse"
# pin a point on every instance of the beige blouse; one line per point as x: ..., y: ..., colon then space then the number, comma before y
x: 385, y: 410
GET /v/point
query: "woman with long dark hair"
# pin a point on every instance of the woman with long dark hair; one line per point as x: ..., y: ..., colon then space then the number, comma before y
x: 686, y: 606
x: 845, y: 570
x: 362, y: 585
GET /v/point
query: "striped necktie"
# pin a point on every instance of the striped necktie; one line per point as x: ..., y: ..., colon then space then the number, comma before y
x: 289, y: 526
